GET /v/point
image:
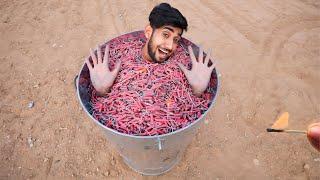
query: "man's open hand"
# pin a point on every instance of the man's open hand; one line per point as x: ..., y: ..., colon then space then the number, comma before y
x: 101, y: 77
x: 199, y: 75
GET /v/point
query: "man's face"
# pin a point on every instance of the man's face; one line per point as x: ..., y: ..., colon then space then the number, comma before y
x: 163, y: 42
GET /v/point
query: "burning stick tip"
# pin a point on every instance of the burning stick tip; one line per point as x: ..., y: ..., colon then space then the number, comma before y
x: 274, y: 130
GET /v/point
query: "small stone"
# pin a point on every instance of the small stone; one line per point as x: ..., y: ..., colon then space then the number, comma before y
x: 54, y: 45
x: 61, y: 46
x: 206, y: 122
x: 113, y: 161
x: 245, y: 134
x: 256, y: 162
x: 219, y: 75
x: 107, y: 173
x: 31, y: 104
x: 317, y: 159
x: 30, y: 141
x: 36, y: 85
x: 306, y: 167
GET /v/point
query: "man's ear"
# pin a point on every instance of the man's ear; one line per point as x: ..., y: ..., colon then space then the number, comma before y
x: 148, y: 31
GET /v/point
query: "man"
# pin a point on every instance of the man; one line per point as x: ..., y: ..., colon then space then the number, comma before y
x: 163, y: 34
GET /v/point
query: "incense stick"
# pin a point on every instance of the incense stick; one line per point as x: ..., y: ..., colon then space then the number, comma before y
x: 286, y: 131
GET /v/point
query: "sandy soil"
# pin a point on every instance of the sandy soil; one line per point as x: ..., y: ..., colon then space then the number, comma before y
x: 269, y: 60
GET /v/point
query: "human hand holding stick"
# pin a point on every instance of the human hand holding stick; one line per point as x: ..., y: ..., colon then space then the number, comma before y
x: 313, y: 131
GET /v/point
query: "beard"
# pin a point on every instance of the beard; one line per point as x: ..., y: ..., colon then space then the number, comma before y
x: 151, y: 54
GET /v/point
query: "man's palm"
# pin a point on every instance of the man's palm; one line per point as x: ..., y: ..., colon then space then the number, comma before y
x: 199, y: 75
x: 101, y: 77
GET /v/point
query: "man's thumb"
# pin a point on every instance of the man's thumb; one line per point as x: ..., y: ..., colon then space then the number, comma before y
x: 183, y: 68
x: 117, y: 67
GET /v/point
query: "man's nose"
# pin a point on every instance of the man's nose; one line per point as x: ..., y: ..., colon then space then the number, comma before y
x: 169, y: 45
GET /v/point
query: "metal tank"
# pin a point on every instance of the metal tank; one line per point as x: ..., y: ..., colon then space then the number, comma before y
x: 148, y: 155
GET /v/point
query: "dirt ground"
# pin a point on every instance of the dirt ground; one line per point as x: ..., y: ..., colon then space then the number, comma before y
x: 268, y: 56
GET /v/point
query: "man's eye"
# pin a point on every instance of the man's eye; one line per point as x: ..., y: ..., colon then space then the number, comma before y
x: 176, y: 40
x: 165, y: 35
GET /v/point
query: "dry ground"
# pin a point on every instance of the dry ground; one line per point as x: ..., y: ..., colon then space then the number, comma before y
x: 269, y: 60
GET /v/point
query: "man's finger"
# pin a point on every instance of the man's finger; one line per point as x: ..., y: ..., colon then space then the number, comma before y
x: 193, y: 58
x: 93, y: 57
x: 116, y: 68
x: 213, y: 65
x: 206, y: 61
x: 89, y: 64
x: 183, y: 68
x: 99, y: 54
x: 106, y: 56
x: 200, y: 56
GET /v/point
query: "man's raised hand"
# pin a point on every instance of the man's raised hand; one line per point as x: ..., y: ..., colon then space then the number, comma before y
x: 101, y: 77
x: 200, y: 73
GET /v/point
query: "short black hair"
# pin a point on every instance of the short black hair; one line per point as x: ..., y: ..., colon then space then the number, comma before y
x: 164, y: 14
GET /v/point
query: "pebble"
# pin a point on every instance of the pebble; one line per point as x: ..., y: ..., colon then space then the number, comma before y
x: 31, y: 104
x: 306, y: 167
x: 317, y: 159
x: 256, y: 162
x: 37, y: 85
x: 30, y: 141
x: 107, y: 173
x: 54, y: 45
x: 245, y: 134
x: 206, y: 122
x: 113, y: 161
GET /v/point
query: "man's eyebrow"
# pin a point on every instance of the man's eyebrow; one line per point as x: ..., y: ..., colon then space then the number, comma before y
x: 171, y: 29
